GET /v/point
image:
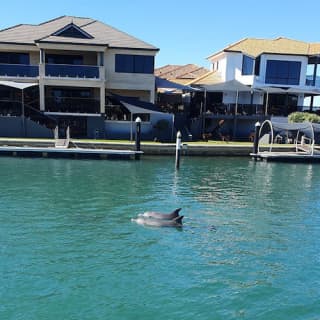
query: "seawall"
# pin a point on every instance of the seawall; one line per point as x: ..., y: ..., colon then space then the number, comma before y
x: 149, y: 148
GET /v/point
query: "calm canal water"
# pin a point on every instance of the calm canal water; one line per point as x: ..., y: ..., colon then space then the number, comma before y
x: 249, y: 248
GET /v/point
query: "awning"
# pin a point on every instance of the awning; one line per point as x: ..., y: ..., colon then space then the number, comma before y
x: 18, y: 85
x: 272, y: 90
x: 135, y: 110
x: 303, y: 91
x: 232, y: 85
x: 166, y: 85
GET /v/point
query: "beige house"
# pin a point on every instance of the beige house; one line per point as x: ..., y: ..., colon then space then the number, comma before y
x: 72, y: 65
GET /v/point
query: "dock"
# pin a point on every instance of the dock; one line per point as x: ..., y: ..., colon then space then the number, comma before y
x: 75, y: 153
x: 287, y: 157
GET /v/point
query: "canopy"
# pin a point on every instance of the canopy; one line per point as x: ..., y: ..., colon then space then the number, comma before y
x: 18, y: 85
x: 232, y: 85
x: 272, y: 90
x: 302, y: 133
x: 303, y: 91
x: 135, y: 109
x: 170, y: 86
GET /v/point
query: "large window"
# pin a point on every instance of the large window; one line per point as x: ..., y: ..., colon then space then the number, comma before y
x: 247, y: 65
x: 64, y: 59
x: 14, y: 58
x: 134, y: 63
x: 283, y: 72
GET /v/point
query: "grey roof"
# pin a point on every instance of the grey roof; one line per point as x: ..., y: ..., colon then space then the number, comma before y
x: 101, y: 33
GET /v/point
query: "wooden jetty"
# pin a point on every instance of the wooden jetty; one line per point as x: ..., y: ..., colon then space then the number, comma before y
x: 76, y: 153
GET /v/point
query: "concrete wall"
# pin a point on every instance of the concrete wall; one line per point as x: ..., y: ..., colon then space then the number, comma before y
x: 125, y: 129
x: 13, y: 127
x: 95, y: 128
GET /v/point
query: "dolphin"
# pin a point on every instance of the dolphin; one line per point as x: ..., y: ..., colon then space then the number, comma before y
x: 176, y: 222
x: 159, y: 215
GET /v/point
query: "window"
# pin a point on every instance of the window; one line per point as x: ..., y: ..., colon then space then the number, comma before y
x: 71, y: 93
x: 134, y: 63
x: 247, y: 65
x: 14, y: 58
x: 64, y: 59
x: 257, y: 67
x: 283, y: 72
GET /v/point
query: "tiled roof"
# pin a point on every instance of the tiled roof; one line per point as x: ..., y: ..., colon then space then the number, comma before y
x: 102, y: 34
x: 211, y: 77
x: 181, y: 74
x: 255, y: 47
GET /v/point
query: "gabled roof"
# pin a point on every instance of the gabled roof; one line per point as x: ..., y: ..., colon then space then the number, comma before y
x: 101, y: 34
x: 255, y: 47
x: 71, y: 30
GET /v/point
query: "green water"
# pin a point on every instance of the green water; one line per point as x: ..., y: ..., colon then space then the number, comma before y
x: 249, y: 248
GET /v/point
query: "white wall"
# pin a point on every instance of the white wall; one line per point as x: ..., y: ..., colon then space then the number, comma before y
x: 260, y: 80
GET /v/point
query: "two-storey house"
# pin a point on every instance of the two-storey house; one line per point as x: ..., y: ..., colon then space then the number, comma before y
x: 257, y: 78
x: 64, y: 70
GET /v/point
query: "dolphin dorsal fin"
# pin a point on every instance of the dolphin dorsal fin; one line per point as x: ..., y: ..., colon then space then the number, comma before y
x: 178, y: 219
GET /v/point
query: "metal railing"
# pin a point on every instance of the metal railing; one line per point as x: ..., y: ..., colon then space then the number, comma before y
x: 72, y: 105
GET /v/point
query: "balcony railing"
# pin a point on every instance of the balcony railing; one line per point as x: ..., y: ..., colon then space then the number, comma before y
x: 72, y: 71
x: 19, y: 70
x: 72, y: 105
x: 230, y: 109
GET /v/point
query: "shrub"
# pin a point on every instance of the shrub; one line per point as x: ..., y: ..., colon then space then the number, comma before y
x: 303, y: 117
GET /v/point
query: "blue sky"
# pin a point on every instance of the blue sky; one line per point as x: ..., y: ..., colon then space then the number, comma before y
x: 185, y: 31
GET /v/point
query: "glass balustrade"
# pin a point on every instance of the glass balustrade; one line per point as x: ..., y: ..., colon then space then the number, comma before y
x: 19, y: 70
x: 71, y: 71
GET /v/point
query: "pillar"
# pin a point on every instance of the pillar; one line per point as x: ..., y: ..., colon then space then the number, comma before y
x: 102, y: 99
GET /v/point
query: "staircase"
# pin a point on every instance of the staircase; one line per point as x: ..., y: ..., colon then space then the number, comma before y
x: 61, y: 143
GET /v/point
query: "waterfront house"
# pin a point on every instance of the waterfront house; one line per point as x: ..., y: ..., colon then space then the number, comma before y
x: 255, y: 79
x: 73, y: 72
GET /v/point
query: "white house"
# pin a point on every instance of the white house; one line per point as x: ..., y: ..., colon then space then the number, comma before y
x: 282, y: 63
x: 277, y: 77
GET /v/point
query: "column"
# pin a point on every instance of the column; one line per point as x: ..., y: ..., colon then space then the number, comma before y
x: 42, y: 96
x: 102, y: 99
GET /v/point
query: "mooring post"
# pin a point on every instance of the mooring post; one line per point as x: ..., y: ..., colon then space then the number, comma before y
x: 138, y: 138
x: 178, y: 150
x: 256, y: 137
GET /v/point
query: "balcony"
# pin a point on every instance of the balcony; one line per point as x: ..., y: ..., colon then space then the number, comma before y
x: 72, y: 105
x: 18, y: 70
x: 72, y: 71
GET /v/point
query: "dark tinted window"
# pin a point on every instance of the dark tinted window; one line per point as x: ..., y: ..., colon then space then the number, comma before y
x: 247, y: 65
x: 14, y: 58
x: 283, y: 72
x: 64, y: 59
x: 134, y: 63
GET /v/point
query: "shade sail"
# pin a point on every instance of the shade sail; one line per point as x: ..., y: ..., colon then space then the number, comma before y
x: 272, y: 90
x: 166, y: 85
x: 135, y: 109
x: 232, y: 85
x: 303, y: 91
x: 18, y: 85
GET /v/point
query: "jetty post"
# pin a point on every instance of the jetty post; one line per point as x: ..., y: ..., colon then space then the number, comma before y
x: 178, y: 150
x: 138, y: 137
x: 257, y: 127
